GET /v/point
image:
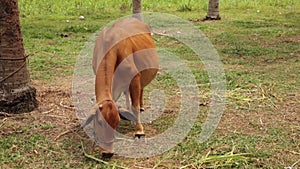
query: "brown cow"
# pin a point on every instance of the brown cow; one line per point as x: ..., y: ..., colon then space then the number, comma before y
x: 125, y: 60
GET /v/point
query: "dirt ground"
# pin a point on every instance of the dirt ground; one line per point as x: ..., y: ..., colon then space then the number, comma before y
x: 55, y: 108
x: 56, y: 120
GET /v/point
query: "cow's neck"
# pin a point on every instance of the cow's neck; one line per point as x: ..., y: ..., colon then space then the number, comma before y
x: 104, y: 76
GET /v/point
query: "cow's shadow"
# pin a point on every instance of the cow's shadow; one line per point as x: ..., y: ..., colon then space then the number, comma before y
x: 126, y: 127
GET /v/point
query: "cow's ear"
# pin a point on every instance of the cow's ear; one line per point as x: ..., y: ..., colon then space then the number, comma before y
x: 100, y: 107
x: 89, y: 120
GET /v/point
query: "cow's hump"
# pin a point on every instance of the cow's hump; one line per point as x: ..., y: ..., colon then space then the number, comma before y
x: 109, y: 37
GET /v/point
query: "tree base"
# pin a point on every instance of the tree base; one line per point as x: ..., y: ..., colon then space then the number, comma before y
x: 20, y: 101
x: 209, y: 18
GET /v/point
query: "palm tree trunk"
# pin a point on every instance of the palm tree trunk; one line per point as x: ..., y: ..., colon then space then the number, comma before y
x: 137, y: 9
x: 213, y: 10
x: 16, y: 96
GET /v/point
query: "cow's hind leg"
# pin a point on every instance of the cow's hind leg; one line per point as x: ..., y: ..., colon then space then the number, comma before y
x: 135, y: 93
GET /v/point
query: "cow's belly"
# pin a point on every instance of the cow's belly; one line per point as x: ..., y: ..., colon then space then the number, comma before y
x: 147, y: 76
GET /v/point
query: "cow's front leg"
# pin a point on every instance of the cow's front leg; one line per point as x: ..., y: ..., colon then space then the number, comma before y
x: 141, y: 101
x: 135, y: 93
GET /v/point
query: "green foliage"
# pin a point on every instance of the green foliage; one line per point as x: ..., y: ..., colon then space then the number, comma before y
x: 186, y: 6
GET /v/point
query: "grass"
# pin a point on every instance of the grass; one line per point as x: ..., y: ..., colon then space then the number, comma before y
x: 258, y: 42
x: 80, y: 7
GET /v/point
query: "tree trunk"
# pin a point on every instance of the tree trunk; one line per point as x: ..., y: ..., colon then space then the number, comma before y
x: 137, y: 9
x: 16, y: 96
x: 213, y: 10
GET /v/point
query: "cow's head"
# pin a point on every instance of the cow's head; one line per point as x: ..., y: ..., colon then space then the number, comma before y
x: 105, y: 118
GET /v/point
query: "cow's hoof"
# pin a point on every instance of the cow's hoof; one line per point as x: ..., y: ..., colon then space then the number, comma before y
x: 139, y: 136
x: 107, y: 155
